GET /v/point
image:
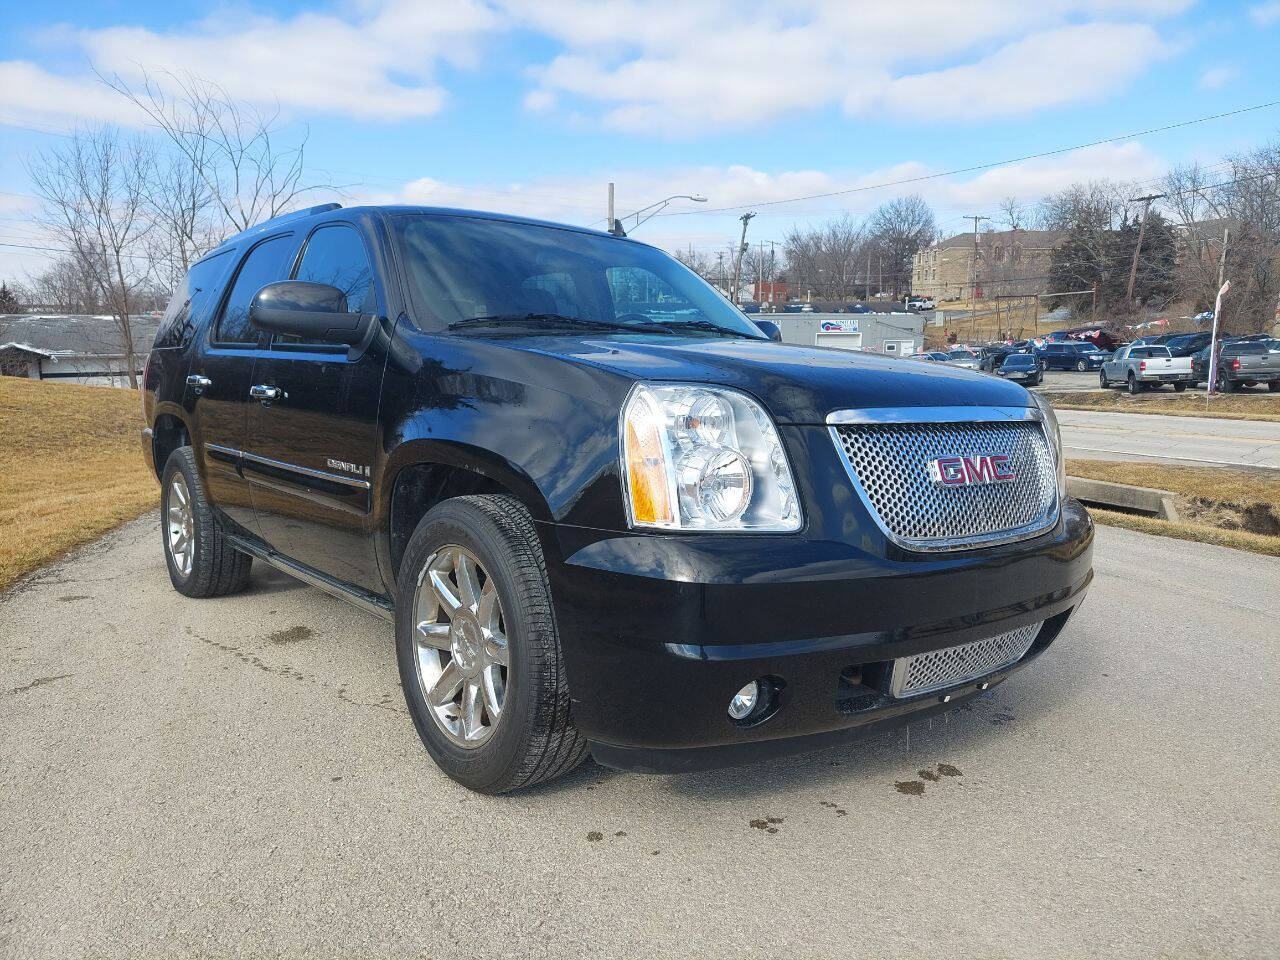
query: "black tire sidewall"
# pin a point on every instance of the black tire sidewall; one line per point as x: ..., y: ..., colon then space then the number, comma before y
x: 1131, y: 383
x: 487, y: 767
x: 182, y: 461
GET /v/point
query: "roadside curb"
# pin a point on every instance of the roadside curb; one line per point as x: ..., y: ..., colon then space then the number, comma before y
x: 1122, y: 496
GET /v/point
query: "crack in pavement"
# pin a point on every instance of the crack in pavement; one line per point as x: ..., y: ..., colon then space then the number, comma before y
x: 38, y: 682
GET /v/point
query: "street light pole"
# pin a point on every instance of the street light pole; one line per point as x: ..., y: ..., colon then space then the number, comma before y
x: 1212, y: 372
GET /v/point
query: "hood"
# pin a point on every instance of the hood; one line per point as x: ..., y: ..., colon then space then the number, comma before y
x: 798, y: 385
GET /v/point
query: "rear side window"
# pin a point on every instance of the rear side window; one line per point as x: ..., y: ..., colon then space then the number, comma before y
x: 335, y: 255
x: 190, y: 303
x: 266, y: 263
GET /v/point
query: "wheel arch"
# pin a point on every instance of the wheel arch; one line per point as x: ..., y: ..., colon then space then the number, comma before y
x: 169, y: 431
x: 423, y: 473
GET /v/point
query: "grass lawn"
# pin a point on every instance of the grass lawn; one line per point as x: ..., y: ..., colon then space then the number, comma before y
x: 1253, y: 404
x: 71, y: 468
x: 1233, y: 508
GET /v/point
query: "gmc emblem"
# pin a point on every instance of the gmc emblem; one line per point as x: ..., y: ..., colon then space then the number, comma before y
x: 971, y: 471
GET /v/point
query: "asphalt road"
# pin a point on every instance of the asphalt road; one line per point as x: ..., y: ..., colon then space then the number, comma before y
x: 237, y: 777
x: 1202, y: 441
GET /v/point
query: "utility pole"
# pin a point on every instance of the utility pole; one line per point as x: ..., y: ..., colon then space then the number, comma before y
x: 973, y: 274
x: 867, y: 292
x: 720, y: 268
x: 1212, y: 372
x: 610, y: 226
x: 737, y: 260
x: 1142, y: 229
x: 760, y: 272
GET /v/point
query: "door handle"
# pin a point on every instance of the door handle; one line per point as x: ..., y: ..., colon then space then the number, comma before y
x: 199, y: 382
x: 260, y: 391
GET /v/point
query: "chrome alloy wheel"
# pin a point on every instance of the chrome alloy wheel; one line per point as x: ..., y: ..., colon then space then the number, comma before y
x: 460, y: 641
x: 180, y: 522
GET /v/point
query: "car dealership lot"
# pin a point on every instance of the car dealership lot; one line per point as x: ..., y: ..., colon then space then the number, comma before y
x: 239, y: 777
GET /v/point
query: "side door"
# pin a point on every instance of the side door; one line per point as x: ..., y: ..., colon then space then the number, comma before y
x: 313, y: 431
x: 217, y: 390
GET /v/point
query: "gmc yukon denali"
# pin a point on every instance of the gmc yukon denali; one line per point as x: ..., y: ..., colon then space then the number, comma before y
x: 605, y: 514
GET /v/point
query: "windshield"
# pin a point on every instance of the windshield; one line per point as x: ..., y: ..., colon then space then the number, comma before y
x: 961, y: 355
x: 474, y: 273
x: 1019, y: 360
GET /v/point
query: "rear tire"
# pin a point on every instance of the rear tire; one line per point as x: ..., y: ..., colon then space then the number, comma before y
x: 1228, y: 385
x: 201, y: 561
x: 1179, y: 387
x: 1133, y: 385
x: 1274, y: 386
x: 533, y: 737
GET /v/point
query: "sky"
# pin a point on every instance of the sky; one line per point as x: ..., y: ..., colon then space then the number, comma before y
x: 534, y: 106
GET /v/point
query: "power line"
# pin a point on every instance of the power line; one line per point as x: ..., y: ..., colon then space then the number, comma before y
x: 979, y: 166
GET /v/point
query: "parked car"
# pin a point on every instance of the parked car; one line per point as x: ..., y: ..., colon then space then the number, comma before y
x: 1247, y: 363
x: 1185, y: 344
x: 990, y: 358
x: 963, y: 358
x: 917, y: 304
x: 1021, y: 367
x: 605, y: 514
x: 1070, y: 356
x: 750, y: 307
x: 857, y: 308
x: 1143, y: 367
x: 935, y: 356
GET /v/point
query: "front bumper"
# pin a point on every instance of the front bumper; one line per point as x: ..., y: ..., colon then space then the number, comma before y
x: 659, y: 632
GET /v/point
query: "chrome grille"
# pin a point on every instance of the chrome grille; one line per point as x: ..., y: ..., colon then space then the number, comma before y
x: 889, y: 466
x: 949, y: 666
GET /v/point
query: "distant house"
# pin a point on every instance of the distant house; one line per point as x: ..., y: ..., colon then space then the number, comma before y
x: 1007, y: 263
x: 71, y: 347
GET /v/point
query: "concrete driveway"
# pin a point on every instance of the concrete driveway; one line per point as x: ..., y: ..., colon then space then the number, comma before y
x: 238, y: 777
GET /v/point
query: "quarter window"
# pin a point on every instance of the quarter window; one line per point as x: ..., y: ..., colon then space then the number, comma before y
x: 266, y: 263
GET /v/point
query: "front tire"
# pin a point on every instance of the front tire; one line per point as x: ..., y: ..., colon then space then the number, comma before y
x: 201, y: 561
x: 478, y: 649
x: 1081, y: 366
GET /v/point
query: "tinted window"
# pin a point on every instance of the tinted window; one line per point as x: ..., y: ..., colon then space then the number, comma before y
x: 266, y: 263
x: 460, y: 268
x: 1142, y: 352
x: 191, y: 300
x: 1240, y: 349
x: 1019, y: 360
x: 336, y: 256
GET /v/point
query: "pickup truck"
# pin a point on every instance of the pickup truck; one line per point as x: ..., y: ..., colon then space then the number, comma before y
x: 602, y: 512
x: 1141, y: 367
x: 1246, y: 364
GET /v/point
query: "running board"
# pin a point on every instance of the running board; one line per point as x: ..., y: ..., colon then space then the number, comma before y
x: 364, y: 599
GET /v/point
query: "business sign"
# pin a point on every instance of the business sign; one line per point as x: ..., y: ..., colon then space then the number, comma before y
x: 841, y: 326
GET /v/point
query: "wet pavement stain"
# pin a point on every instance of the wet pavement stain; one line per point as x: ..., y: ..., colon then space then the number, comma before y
x: 74, y: 596
x: 291, y: 635
x: 835, y: 807
x: 620, y: 833
x: 767, y: 824
x: 947, y: 770
x: 911, y: 787
x: 595, y: 836
x: 929, y: 775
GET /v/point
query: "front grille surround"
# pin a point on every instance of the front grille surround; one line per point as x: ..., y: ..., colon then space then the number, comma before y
x: 938, y: 669
x: 887, y: 463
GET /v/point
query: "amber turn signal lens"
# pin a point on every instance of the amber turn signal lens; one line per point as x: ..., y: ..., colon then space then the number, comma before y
x: 647, y: 469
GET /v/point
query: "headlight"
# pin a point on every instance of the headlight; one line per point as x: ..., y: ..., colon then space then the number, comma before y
x: 704, y: 458
x: 1054, y: 433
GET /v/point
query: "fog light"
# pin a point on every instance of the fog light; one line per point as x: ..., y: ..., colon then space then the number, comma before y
x: 744, y: 701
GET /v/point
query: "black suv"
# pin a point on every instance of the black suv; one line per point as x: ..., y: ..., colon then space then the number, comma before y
x: 603, y: 511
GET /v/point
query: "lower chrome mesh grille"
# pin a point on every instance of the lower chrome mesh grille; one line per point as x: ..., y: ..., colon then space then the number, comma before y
x: 890, y: 466
x: 949, y: 666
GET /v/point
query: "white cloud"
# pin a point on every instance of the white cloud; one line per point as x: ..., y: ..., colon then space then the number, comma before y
x: 682, y: 67
x: 1215, y: 78
x: 1265, y: 14
x: 1045, y: 69
x: 647, y: 66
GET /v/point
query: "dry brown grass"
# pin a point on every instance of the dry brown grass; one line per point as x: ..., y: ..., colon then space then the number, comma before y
x: 1255, y: 405
x: 1232, y: 508
x: 71, y: 468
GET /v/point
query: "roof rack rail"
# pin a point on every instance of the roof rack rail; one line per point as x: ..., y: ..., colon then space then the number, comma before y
x: 294, y: 215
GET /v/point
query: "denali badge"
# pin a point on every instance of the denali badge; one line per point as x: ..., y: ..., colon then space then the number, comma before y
x: 970, y: 471
x: 358, y: 469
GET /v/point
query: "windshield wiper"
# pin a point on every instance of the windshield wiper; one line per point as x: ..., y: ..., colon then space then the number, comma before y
x: 710, y: 327
x: 551, y: 319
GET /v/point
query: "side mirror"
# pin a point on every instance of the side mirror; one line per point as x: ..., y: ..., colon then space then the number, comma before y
x: 312, y: 311
x: 769, y: 329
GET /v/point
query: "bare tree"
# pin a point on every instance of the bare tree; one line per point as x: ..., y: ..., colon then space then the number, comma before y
x: 93, y: 192
x: 696, y: 261
x: 240, y: 174
x: 900, y: 229
x: 1247, y: 200
x: 829, y: 260
x: 1015, y: 214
